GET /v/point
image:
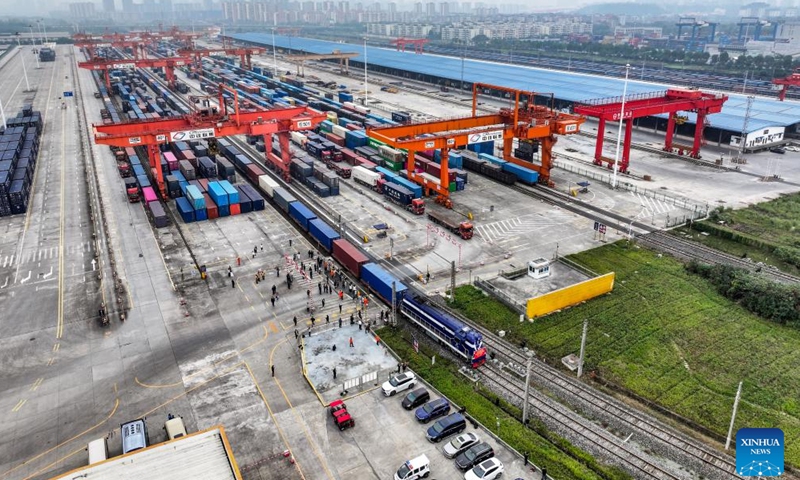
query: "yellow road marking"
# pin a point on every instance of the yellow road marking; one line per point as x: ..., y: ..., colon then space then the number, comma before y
x: 19, y: 405
x: 273, y: 327
x: 48, y: 467
x: 272, y: 415
x: 61, y: 227
x: 296, y: 416
x: 50, y: 362
x: 98, y: 425
x: 37, y: 384
x: 56, y: 346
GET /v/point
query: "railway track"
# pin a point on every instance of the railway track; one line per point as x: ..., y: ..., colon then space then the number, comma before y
x: 658, y: 437
x: 582, y: 431
x: 687, y: 249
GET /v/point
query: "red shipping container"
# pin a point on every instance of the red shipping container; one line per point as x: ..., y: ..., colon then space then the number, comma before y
x: 211, y: 207
x: 253, y: 172
x: 349, y: 156
x: 368, y: 165
x: 353, y: 126
x: 203, y: 185
x: 335, y: 139
x: 349, y: 256
x: 235, y: 209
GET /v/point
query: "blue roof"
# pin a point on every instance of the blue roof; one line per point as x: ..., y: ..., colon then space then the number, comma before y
x: 568, y: 86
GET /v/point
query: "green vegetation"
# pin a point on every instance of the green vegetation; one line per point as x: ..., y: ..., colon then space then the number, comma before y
x: 767, y: 232
x: 563, y: 460
x: 773, y: 301
x: 670, y: 337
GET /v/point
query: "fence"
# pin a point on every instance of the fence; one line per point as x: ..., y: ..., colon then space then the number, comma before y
x: 700, y: 210
x: 504, y: 298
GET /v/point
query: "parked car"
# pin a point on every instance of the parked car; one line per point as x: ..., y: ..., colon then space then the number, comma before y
x: 459, y: 444
x: 474, y: 455
x: 779, y: 150
x: 416, y: 398
x: 432, y: 410
x: 486, y: 470
x: 449, y: 425
x: 413, y: 469
x: 398, y: 383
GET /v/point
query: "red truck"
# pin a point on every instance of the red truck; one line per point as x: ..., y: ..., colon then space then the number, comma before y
x: 123, y: 166
x: 132, y: 190
x: 341, y: 417
x: 449, y: 221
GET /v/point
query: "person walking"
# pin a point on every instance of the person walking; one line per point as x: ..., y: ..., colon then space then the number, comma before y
x: 272, y: 368
x: 334, y: 373
x: 274, y: 289
x: 295, y: 321
x: 323, y: 303
x: 340, y: 309
x: 262, y: 247
x: 255, y: 251
x: 351, y: 342
x: 340, y: 322
x: 272, y: 299
x: 296, y: 334
x: 319, y: 286
x: 233, y: 283
x: 359, y: 324
x: 327, y: 319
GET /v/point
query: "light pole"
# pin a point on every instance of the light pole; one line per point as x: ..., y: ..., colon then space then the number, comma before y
x: 274, y: 55
x: 44, y: 29
x: 366, y: 86
x: 619, y: 131
x: 463, y: 54
x: 39, y: 28
x: 33, y: 40
x: 3, y: 114
x: 24, y: 70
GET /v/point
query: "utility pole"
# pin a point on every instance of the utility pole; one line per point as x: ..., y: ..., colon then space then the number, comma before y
x: 366, y: 87
x: 745, y: 124
x: 583, y: 347
x: 394, y: 304
x: 619, y: 131
x: 527, y: 389
x: 733, y: 416
x: 453, y: 281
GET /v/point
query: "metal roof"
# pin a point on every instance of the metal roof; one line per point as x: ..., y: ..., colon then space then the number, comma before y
x: 203, y: 455
x: 568, y: 86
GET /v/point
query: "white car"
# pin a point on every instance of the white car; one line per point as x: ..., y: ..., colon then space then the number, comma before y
x: 459, y: 444
x: 398, y: 383
x: 486, y: 470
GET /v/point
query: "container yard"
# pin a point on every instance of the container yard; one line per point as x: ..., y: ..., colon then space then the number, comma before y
x: 201, y: 234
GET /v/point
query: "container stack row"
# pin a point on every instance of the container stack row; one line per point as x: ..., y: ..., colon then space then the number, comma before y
x: 19, y: 148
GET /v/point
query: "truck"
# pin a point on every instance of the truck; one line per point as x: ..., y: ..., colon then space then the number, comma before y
x: 401, y: 196
x: 123, y: 166
x: 341, y: 417
x: 132, y: 190
x: 452, y: 222
x: 343, y: 171
x: 366, y: 177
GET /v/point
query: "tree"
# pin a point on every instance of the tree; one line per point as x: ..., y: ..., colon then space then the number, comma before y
x: 724, y: 58
x: 480, y: 39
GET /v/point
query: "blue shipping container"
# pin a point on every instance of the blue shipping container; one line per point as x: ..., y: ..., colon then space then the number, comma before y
x: 200, y: 215
x: 524, y: 175
x: 398, y: 193
x: 414, y: 188
x: 245, y: 204
x: 301, y: 214
x: 218, y: 194
x: 492, y: 159
x: 283, y: 198
x: 143, y: 181
x: 380, y: 281
x: 256, y: 199
x: 389, y: 175
x: 233, y: 194
x: 195, y: 197
x: 324, y: 234
x: 185, y: 209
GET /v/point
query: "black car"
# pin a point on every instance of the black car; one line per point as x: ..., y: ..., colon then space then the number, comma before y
x: 779, y: 150
x: 474, y: 455
x: 415, y: 398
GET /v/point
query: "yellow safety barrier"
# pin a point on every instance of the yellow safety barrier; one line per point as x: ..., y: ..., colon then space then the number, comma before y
x: 567, y: 296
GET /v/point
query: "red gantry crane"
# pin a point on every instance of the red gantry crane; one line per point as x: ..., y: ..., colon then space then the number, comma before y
x: 524, y: 121
x: 669, y: 102
x: 168, y: 64
x: 211, y: 123
x: 784, y: 83
x: 418, y: 43
x: 91, y: 44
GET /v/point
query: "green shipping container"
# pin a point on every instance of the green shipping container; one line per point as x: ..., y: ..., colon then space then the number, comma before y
x: 324, y: 128
x: 396, y: 166
x: 452, y: 187
x: 374, y: 143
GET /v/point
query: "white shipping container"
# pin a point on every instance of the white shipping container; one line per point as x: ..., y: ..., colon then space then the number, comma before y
x: 340, y: 131
x: 267, y: 184
x: 298, y: 138
x: 430, y: 178
x: 364, y: 176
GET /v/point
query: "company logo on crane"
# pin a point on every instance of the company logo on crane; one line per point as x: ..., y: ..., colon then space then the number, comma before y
x: 198, y: 134
x: 485, y: 137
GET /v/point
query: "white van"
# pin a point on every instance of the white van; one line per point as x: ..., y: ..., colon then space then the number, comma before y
x: 175, y: 427
x: 134, y: 436
x: 98, y: 450
x: 413, y: 469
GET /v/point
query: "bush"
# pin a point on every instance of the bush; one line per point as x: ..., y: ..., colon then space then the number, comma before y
x: 769, y: 300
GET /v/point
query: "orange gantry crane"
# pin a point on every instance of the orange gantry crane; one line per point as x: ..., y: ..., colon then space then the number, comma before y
x: 784, y: 83
x: 91, y: 44
x: 244, y: 53
x: 168, y: 64
x: 524, y: 121
x: 212, y: 123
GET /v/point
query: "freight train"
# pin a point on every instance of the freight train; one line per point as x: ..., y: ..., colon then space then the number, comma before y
x: 448, y: 331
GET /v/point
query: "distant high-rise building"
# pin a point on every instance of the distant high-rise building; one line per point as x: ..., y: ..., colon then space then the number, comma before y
x: 108, y: 6
x: 444, y: 8
x: 430, y: 9
x: 127, y: 6
x: 392, y: 7
x: 418, y: 8
x: 81, y: 10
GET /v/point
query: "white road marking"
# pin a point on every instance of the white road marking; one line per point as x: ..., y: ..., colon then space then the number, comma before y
x: 26, y: 278
x: 48, y: 274
x: 5, y: 284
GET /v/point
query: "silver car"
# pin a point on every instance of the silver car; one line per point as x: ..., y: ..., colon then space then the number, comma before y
x: 459, y: 444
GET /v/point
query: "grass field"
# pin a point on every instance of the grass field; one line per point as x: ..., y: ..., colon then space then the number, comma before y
x: 774, y: 223
x: 563, y: 460
x: 668, y: 336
